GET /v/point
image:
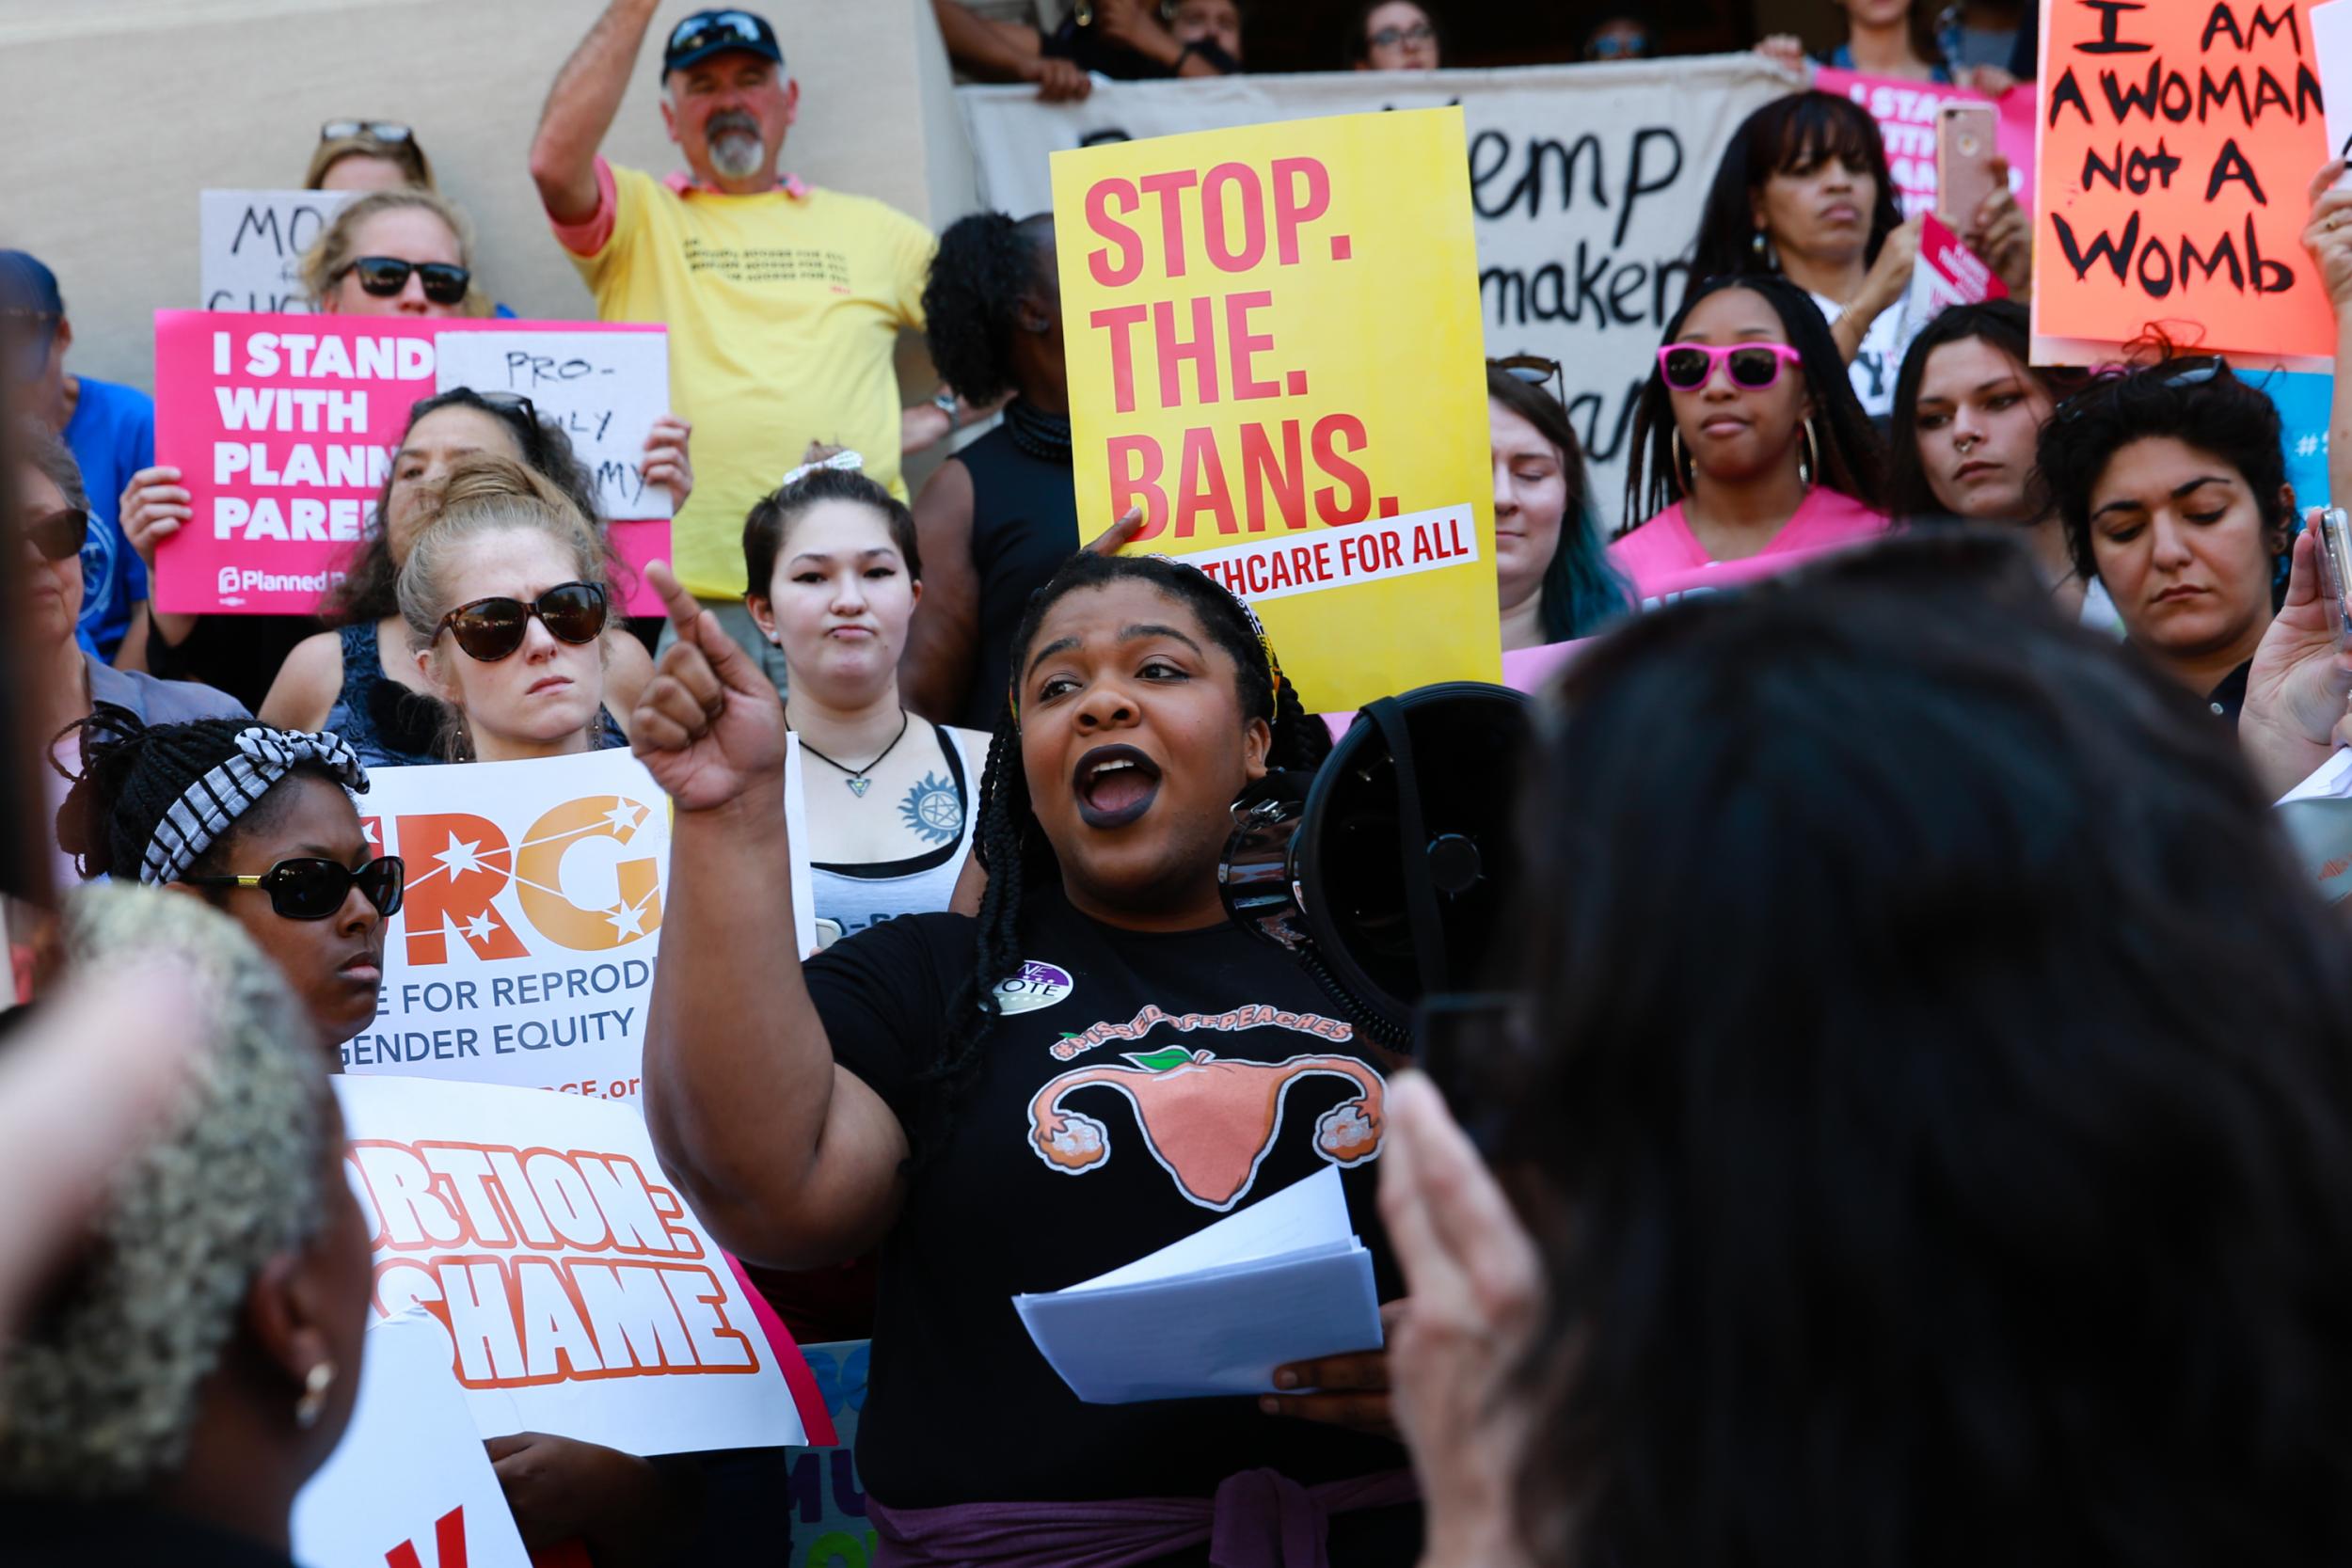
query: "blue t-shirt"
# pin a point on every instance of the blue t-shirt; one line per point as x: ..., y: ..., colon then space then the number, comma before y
x: 113, y: 436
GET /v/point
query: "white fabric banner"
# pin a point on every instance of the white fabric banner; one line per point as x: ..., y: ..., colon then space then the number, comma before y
x: 1588, y: 180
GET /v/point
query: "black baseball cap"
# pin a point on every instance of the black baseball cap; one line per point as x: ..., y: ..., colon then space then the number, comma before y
x: 709, y: 33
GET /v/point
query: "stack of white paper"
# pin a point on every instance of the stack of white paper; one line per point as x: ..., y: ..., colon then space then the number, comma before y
x: 1283, y: 1280
x: 2318, y: 815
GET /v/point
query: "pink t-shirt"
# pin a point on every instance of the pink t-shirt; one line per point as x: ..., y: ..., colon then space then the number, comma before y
x: 1665, y: 558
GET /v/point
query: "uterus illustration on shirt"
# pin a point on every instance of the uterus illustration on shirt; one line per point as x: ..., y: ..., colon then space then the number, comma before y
x: 1210, y: 1122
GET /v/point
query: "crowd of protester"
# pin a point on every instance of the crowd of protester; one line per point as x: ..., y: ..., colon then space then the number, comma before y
x: 1919, y: 1128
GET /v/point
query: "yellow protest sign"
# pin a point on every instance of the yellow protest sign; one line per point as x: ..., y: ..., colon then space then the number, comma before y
x: 1274, y: 344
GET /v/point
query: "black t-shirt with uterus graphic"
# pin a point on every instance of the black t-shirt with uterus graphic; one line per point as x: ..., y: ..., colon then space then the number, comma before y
x: 1137, y: 1088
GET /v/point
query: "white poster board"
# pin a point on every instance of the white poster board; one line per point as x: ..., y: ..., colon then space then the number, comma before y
x: 524, y: 951
x: 1586, y: 183
x: 604, y: 389
x: 410, y: 1482
x: 250, y: 246
x: 576, y: 1293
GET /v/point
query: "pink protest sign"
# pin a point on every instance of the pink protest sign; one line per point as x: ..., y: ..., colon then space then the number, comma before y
x: 283, y: 429
x: 1906, y: 114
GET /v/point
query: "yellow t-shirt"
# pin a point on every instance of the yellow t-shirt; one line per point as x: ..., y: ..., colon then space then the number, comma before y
x: 784, y: 311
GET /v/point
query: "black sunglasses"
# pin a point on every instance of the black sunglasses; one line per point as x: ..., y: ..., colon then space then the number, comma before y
x: 374, y: 130
x: 62, y: 534
x: 512, y: 405
x: 701, y: 32
x: 386, y: 276
x: 309, y: 889
x: 490, y: 629
x: 2194, y: 371
x: 1536, y: 370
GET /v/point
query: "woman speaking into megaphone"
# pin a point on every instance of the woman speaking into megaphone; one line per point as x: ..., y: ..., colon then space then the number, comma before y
x: 1096, y: 1067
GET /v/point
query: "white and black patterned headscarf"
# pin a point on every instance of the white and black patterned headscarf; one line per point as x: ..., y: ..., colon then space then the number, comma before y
x: 209, y: 807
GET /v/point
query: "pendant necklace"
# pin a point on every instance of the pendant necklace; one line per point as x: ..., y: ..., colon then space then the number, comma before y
x: 858, y: 781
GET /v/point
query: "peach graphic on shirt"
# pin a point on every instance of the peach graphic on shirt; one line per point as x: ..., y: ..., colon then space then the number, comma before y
x: 1209, y: 1122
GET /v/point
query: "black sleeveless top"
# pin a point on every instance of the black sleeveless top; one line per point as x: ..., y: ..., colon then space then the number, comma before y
x: 1025, y: 524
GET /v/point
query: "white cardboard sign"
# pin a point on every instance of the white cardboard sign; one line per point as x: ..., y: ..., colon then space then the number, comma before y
x: 574, y: 1291
x: 250, y: 246
x: 604, y: 389
x: 409, y: 1483
x: 524, y: 952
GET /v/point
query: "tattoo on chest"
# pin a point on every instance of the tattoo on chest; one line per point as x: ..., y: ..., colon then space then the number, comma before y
x: 933, y: 810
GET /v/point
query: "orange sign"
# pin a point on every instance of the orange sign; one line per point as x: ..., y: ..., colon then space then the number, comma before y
x: 2177, y: 137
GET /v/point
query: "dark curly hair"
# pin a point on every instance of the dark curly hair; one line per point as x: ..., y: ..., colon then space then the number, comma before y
x: 1853, y: 458
x: 2197, y: 400
x: 2007, y: 327
x: 771, y: 516
x: 1794, y: 134
x: 1013, y: 847
x: 987, y: 264
x: 1934, y: 1082
x: 370, y: 590
x: 132, y: 775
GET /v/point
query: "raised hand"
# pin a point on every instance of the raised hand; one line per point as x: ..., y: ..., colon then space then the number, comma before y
x: 665, y: 465
x: 152, y: 507
x: 2299, y: 681
x: 708, y: 726
x: 1456, y: 1360
x: 2328, y: 236
x: 1111, y: 539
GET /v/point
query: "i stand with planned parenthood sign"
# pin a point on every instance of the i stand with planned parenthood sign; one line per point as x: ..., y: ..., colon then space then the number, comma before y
x: 283, y: 429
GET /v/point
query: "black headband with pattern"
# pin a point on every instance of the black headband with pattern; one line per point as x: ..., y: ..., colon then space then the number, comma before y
x: 207, y: 808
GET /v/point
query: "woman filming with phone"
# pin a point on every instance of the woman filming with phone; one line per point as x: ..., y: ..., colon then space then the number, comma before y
x: 1748, y: 444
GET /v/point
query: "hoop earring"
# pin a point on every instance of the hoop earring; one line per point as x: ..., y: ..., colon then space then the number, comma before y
x: 312, y: 1404
x: 1809, y: 460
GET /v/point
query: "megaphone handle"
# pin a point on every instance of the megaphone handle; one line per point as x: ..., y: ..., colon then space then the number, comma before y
x: 1421, y: 893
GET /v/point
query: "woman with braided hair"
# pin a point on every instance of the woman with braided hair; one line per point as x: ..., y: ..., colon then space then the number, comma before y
x: 257, y: 822
x: 1096, y: 1067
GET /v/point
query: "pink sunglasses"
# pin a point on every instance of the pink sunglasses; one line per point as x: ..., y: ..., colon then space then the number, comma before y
x: 1688, y: 367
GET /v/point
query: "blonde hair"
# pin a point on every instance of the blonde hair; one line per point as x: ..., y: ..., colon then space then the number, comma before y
x: 486, y: 493
x: 99, y: 1394
x: 334, y: 249
x: 407, y: 154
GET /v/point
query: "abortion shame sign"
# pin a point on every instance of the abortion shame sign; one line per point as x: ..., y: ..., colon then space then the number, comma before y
x: 575, y: 1291
x: 2177, y: 138
x: 283, y: 429
x: 250, y: 246
x: 524, y: 951
x: 1218, y: 288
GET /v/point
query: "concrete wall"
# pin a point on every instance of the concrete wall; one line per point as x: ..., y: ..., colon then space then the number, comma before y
x: 118, y: 112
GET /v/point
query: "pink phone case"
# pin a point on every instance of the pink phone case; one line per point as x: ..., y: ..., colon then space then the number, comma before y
x: 1964, y: 151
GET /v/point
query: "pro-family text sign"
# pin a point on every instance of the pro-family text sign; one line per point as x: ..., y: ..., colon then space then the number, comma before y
x: 283, y: 428
x: 1275, y: 351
